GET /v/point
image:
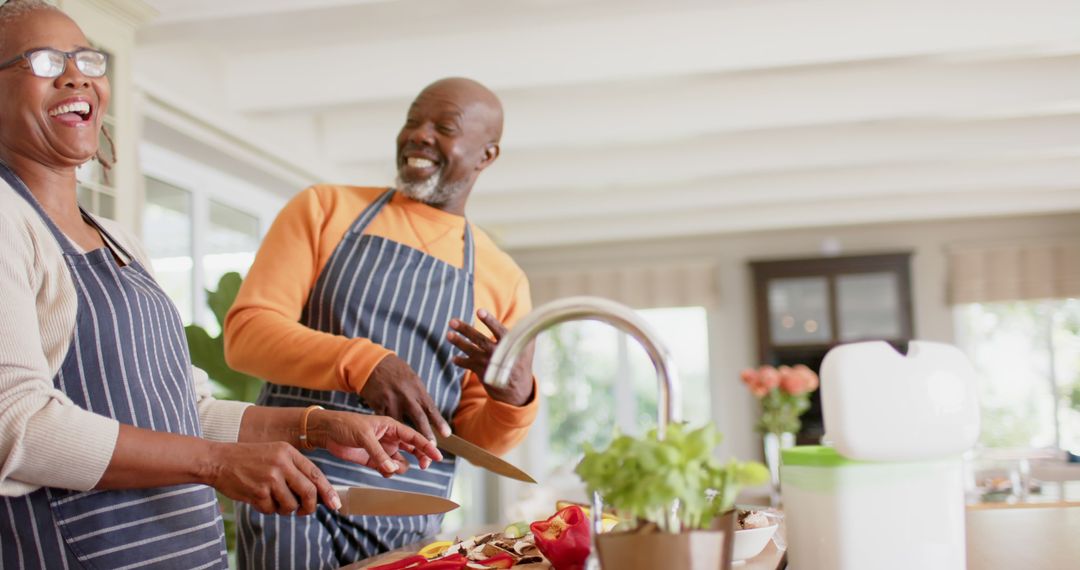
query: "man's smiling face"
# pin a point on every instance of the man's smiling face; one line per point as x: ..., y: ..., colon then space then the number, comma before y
x: 449, y: 136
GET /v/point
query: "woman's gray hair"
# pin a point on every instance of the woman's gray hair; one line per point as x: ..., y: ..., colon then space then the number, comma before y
x: 10, y: 9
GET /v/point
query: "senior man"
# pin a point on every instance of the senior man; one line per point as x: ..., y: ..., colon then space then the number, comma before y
x: 356, y: 300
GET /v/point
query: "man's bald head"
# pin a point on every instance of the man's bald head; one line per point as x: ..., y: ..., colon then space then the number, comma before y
x: 474, y: 96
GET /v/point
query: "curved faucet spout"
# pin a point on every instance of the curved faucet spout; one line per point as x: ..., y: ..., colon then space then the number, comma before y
x: 596, y: 309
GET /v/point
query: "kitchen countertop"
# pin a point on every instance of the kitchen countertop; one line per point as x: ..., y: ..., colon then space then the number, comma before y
x: 998, y: 539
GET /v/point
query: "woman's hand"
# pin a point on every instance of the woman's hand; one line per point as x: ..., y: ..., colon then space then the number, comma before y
x: 372, y: 441
x: 272, y: 477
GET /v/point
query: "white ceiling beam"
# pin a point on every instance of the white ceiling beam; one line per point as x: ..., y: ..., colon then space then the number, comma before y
x: 616, y: 115
x: 789, y: 149
x: 330, y: 21
x: 554, y: 206
x: 183, y: 126
x: 715, y: 220
x: 705, y: 40
x: 191, y: 11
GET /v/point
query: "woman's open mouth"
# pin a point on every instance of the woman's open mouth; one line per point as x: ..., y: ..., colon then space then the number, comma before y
x: 73, y: 113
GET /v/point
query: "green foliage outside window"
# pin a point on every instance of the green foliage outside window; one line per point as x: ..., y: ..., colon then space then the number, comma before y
x: 1027, y: 354
x: 575, y: 388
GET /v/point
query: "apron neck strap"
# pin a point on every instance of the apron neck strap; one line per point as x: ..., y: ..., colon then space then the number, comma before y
x: 373, y: 209
x: 20, y: 188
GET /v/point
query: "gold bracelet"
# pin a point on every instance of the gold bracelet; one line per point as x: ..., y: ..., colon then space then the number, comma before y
x: 304, y: 443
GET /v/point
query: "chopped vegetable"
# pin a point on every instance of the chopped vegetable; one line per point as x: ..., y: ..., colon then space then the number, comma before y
x: 516, y: 530
x: 435, y: 549
x: 452, y: 562
x: 411, y: 562
x: 564, y: 538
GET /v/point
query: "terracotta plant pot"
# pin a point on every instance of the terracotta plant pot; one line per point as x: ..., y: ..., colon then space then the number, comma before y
x: 651, y: 550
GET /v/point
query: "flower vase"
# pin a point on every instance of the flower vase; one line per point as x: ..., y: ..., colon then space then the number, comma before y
x: 774, y: 442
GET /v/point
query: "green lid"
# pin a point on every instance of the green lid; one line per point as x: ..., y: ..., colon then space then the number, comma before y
x: 814, y: 456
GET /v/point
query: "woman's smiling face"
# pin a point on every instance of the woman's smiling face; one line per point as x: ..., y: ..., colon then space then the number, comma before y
x: 53, y: 121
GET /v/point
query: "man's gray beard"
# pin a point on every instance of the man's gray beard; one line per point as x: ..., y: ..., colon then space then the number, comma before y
x: 430, y: 191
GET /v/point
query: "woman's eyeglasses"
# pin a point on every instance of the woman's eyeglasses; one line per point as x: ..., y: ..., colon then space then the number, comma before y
x: 50, y: 63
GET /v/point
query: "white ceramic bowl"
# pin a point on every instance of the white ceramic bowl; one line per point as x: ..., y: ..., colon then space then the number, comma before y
x: 750, y: 542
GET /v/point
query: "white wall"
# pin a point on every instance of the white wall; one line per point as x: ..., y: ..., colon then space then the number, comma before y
x: 732, y: 326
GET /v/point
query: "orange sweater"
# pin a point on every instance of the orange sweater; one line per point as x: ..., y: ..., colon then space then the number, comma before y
x: 263, y: 335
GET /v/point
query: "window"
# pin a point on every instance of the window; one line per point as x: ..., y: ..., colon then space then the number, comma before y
x: 597, y: 379
x: 231, y: 243
x: 192, y: 241
x: 168, y: 239
x: 1027, y: 355
x: 97, y: 186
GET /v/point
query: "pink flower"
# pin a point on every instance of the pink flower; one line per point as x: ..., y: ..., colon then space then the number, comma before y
x: 791, y: 381
x: 811, y: 378
x: 769, y: 377
x: 755, y: 382
x: 758, y: 390
x: 797, y: 380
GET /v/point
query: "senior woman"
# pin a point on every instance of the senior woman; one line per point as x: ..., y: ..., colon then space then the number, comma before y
x: 110, y: 440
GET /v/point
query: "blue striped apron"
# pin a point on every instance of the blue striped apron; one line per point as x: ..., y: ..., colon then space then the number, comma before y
x: 128, y: 360
x: 400, y: 298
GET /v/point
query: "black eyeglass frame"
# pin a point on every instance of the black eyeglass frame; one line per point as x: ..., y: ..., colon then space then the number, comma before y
x: 67, y: 55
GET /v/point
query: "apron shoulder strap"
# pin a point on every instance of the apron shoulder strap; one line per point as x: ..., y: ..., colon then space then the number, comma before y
x: 110, y: 241
x: 373, y: 209
x: 8, y: 175
x: 369, y: 213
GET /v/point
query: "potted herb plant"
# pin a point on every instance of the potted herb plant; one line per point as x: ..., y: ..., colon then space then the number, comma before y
x: 679, y: 496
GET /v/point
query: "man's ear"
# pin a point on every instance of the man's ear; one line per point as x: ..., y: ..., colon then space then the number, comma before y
x: 491, y: 152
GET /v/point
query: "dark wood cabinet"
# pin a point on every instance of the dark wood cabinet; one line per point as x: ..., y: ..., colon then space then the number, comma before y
x: 804, y: 307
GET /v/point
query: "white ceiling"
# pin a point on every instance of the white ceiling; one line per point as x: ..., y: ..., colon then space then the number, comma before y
x: 630, y: 119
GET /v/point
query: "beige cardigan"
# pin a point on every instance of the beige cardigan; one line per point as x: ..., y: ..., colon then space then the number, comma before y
x: 45, y: 439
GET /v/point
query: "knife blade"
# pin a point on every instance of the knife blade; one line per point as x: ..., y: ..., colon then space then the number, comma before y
x: 389, y: 502
x: 480, y: 457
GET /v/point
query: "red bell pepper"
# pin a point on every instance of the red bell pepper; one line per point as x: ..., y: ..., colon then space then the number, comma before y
x: 452, y: 562
x: 403, y: 564
x: 564, y: 538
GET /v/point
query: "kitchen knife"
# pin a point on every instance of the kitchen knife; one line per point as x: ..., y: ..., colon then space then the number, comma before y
x: 480, y: 457
x: 388, y: 502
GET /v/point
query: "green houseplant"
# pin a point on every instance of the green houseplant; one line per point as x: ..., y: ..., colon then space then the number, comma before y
x: 643, y: 477
x: 208, y: 353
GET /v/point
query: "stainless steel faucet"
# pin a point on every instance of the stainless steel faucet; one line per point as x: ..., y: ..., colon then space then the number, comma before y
x: 669, y: 408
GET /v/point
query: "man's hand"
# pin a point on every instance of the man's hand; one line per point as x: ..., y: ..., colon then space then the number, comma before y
x: 372, y: 441
x: 478, y: 349
x: 394, y: 390
x: 273, y: 477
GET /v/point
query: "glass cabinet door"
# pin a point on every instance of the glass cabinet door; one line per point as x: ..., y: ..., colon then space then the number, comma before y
x: 799, y: 311
x: 868, y: 306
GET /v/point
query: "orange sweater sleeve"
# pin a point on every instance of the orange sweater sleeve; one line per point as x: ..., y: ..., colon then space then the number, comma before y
x: 263, y: 335
x: 491, y: 424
